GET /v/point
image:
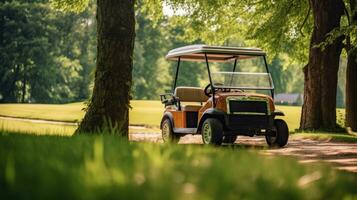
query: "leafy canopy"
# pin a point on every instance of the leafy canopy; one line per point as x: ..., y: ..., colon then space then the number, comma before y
x: 70, y: 5
x: 276, y: 26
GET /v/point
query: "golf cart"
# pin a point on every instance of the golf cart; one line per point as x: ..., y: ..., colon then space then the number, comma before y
x: 234, y: 102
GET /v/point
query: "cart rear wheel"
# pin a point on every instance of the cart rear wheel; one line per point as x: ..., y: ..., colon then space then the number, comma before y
x: 168, y: 134
x: 280, y: 136
x: 212, y: 132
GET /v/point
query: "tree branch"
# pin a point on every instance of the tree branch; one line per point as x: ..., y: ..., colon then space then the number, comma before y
x: 347, y: 14
x: 305, y: 20
x: 348, y: 38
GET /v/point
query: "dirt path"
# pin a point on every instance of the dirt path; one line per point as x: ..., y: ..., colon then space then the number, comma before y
x: 342, y: 156
x: 53, y: 122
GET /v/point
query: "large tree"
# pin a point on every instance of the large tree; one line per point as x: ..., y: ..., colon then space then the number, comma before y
x: 319, y: 109
x: 109, y: 105
x: 348, y: 31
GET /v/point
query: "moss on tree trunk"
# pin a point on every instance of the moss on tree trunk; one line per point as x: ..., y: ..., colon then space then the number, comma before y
x: 109, y: 105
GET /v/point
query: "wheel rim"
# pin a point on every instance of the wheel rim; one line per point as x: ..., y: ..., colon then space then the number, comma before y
x: 165, y: 131
x: 207, y: 134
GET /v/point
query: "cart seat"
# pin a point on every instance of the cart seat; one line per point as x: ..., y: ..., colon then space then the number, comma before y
x: 191, y: 108
x: 190, y: 94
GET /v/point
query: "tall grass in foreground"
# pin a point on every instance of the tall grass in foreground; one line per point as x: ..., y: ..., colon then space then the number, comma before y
x: 105, y: 167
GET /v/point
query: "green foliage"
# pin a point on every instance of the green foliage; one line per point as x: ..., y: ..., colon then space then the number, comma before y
x: 43, y: 53
x: 105, y: 167
x: 155, y: 36
x: 276, y: 26
x: 70, y: 5
x: 278, y: 30
x: 347, y: 30
x: 150, y: 74
x: 151, y: 8
x: 56, y: 63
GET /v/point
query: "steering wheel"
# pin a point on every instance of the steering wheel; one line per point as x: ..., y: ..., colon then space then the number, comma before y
x: 208, y: 92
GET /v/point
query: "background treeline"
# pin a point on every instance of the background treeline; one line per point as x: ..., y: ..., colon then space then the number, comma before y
x: 47, y: 56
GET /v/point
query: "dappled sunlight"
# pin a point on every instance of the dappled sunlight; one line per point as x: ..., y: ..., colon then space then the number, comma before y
x: 36, y: 128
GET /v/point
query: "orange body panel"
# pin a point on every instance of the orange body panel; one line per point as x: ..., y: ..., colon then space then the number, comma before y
x: 179, y: 117
x: 206, y: 106
x: 221, y: 104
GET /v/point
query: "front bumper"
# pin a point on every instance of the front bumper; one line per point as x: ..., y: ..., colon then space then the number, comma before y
x: 248, y: 122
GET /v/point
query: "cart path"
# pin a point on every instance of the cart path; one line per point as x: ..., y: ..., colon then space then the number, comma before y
x: 340, y: 155
x: 54, y: 122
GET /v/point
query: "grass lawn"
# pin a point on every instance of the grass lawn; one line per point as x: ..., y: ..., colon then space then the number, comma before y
x: 332, y: 137
x: 59, y: 112
x: 142, y: 112
x: 93, y: 167
x: 36, y: 128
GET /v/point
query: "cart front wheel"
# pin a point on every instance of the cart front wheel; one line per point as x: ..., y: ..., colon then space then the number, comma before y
x: 212, y: 132
x: 280, y: 136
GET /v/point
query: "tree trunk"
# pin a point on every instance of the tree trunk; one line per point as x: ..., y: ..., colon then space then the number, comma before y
x: 351, y: 78
x: 108, y: 109
x: 23, y: 94
x: 351, y: 90
x: 319, y: 108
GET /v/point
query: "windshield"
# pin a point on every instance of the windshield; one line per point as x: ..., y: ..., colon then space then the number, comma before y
x: 246, y: 73
x: 242, y: 80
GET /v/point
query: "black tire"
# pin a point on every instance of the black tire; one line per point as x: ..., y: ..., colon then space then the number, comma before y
x: 167, y: 133
x: 279, y: 137
x: 212, y: 132
x: 229, y: 139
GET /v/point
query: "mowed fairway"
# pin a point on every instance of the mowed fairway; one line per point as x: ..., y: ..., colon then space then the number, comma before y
x: 36, y: 128
x: 142, y: 112
x: 147, y: 113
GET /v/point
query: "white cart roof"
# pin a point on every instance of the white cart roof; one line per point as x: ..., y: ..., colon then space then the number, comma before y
x: 214, y: 53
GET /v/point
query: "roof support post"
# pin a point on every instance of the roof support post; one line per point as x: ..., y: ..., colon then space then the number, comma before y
x: 235, y: 64
x: 267, y: 68
x: 177, y: 71
x: 234, y: 69
x: 210, y: 81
